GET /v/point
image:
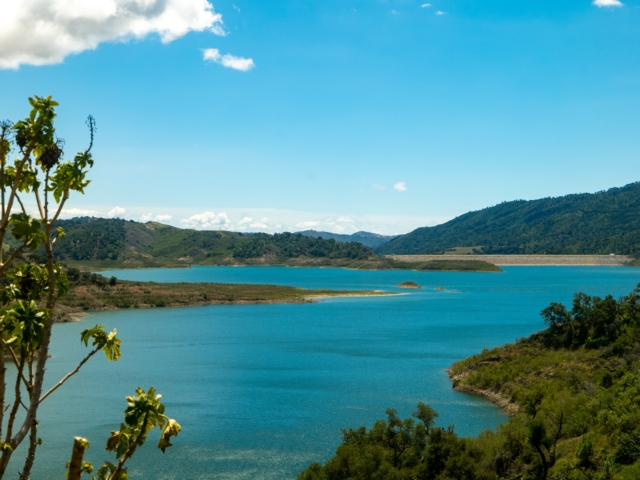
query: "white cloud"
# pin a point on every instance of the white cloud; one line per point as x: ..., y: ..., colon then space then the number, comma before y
x: 235, y: 7
x: 158, y: 218
x: 345, y: 219
x: 440, y: 12
x: 206, y: 221
x: 377, y: 186
x: 245, y: 221
x: 400, y: 187
x: 263, y: 223
x: 77, y: 212
x: 425, y: 5
x: 393, y: 12
x: 116, y: 212
x: 607, y: 3
x: 41, y: 32
x: 229, y: 61
x: 307, y: 224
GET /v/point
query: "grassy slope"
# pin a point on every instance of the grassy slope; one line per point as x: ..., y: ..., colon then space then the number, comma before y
x: 600, y: 223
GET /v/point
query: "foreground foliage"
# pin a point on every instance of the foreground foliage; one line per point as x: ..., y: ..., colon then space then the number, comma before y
x: 576, y: 392
x: 32, y: 284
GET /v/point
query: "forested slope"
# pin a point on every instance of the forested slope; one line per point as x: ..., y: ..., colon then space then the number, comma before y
x: 600, y: 223
x: 116, y: 241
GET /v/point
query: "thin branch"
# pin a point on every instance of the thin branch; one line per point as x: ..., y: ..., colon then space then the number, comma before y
x: 9, y: 206
x: 24, y: 210
x: 13, y: 256
x: 69, y: 375
x: 62, y: 202
x: 17, y: 363
x: 37, y: 194
x: 14, y: 409
x: 131, y: 450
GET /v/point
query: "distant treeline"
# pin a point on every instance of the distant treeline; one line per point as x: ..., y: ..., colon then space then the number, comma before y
x: 291, y: 245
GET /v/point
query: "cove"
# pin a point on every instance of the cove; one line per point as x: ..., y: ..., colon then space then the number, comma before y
x: 262, y: 390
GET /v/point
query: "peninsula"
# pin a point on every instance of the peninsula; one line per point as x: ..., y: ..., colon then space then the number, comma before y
x: 91, y: 291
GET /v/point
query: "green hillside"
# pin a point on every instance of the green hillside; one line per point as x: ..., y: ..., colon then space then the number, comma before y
x: 600, y: 223
x: 112, y: 242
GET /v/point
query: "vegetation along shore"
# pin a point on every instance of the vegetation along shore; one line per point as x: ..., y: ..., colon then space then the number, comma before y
x: 91, y: 291
x: 572, y: 392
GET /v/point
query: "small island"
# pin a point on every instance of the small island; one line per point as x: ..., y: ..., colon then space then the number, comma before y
x: 409, y: 285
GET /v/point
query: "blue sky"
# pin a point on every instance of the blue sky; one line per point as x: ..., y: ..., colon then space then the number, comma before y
x: 306, y: 114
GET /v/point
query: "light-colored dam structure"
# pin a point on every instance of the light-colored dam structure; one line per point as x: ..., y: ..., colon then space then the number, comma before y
x: 529, y: 260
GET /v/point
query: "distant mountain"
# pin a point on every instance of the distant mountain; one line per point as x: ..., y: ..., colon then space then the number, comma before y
x: 599, y: 223
x: 123, y: 242
x: 371, y: 240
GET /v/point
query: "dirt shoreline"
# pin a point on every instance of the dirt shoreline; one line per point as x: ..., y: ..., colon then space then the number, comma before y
x: 509, y: 407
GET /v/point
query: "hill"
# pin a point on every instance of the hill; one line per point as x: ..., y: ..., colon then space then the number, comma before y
x: 116, y: 242
x: 368, y: 239
x: 599, y: 223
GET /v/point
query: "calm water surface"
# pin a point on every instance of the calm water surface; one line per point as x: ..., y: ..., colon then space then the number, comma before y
x: 262, y: 390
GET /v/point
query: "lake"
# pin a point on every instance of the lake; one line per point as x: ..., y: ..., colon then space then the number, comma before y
x: 262, y: 390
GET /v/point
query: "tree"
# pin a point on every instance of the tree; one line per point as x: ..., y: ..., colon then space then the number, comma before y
x: 31, y: 284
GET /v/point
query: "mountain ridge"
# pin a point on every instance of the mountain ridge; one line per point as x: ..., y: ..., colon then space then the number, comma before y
x: 368, y: 239
x: 584, y: 223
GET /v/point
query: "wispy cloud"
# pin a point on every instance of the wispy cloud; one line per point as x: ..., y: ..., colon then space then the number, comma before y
x: 400, y: 187
x: 607, y: 3
x: 116, y: 212
x: 58, y: 28
x: 440, y: 12
x: 227, y: 60
x: 425, y: 5
x: 379, y: 186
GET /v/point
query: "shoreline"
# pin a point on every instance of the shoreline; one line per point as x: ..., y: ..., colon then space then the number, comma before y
x: 499, y: 400
x: 75, y: 314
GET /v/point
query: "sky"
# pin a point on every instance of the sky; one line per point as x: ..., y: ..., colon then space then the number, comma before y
x: 335, y: 115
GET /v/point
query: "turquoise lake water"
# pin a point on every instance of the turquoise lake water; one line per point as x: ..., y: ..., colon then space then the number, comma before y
x: 262, y: 390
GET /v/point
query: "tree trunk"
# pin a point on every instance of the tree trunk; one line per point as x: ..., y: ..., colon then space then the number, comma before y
x: 31, y: 455
x: 80, y: 445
